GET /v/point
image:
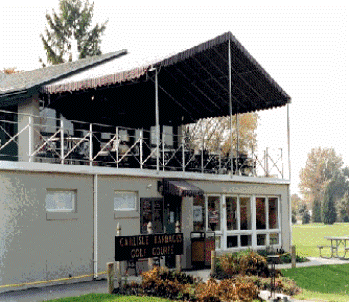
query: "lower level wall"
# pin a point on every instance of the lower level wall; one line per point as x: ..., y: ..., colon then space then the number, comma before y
x: 38, y: 245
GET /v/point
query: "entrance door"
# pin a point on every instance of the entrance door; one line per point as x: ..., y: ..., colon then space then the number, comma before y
x: 172, y: 214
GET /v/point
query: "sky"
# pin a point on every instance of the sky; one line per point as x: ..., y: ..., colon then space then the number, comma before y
x: 304, y: 48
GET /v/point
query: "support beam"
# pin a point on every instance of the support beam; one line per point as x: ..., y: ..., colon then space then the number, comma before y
x: 230, y: 109
x: 157, y: 122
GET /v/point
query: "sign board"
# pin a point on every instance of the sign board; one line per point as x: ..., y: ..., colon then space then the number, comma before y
x: 152, y: 211
x: 148, y: 246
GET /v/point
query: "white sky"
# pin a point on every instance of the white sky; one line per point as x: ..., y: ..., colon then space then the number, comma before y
x: 304, y: 48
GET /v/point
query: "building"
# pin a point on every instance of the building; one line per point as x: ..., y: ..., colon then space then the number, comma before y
x: 102, y: 141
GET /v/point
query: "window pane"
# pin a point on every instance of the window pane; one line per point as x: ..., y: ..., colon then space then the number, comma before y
x: 231, y: 213
x: 214, y: 217
x: 260, y: 214
x: 245, y: 213
x: 199, y: 215
x: 261, y: 239
x: 60, y: 201
x: 273, y: 213
x: 125, y: 201
x: 274, y: 238
x: 246, y: 240
x: 232, y: 241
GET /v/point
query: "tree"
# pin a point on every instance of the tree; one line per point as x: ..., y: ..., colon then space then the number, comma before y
x: 321, y: 165
x: 69, y: 29
x: 343, y: 208
x: 316, y: 213
x: 328, y: 207
x: 213, y: 134
x: 295, y: 201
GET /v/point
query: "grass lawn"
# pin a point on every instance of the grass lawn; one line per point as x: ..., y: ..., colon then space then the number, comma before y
x: 327, y: 282
x: 307, y: 237
x: 109, y: 298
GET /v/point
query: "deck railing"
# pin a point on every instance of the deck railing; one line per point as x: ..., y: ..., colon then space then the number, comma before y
x: 58, y: 141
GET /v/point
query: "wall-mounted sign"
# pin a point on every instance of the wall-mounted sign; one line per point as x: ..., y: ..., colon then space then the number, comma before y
x: 152, y: 211
x: 148, y: 246
x: 197, y: 213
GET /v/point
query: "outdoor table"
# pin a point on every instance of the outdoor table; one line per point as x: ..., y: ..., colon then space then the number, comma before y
x: 336, y: 242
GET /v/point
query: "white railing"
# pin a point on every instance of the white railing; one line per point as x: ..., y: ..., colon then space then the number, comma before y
x: 58, y: 141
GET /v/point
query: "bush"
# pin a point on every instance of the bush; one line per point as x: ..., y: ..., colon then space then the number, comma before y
x: 243, y: 263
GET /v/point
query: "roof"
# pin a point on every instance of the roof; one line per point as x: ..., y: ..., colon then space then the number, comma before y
x: 193, y: 84
x: 21, y: 82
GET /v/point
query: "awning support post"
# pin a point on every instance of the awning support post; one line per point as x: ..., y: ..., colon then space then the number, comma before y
x: 230, y: 110
x: 157, y: 123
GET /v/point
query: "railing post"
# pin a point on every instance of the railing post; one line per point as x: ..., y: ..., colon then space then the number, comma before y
x: 183, y: 153
x: 118, y: 263
x: 117, y: 146
x: 141, y: 148
x: 91, y: 145
x: 150, y: 260
x: 213, y: 262
x: 178, y: 257
x: 31, y: 138
x: 62, y: 140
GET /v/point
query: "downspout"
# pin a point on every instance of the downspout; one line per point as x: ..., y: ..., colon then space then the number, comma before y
x: 95, y: 226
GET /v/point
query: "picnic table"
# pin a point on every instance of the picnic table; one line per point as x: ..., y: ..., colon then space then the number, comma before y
x: 338, y: 243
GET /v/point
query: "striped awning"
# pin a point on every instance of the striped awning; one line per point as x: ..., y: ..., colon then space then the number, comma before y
x: 180, y: 188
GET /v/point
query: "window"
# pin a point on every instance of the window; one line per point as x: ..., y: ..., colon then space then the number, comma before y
x: 125, y: 201
x: 260, y: 213
x: 60, y: 200
x: 214, y: 217
x: 231, y: 203
x: 245, y: 213
x: 273, y: 213
x: 199, y: 214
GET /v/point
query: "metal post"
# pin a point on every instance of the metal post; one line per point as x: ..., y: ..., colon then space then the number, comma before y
x: 150, y: 260
x: 183, y: 153
x: 91, y: 145
x: 157, y: 123
x: 118, y: 263
x: 31, y: 138
x: 62, y: 140
x: 230, y: 109
x: 117, y: 146
x: 178, y: 257
x: 141, y: 148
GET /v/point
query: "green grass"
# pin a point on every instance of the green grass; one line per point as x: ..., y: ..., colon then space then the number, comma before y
x: 307, y: 237
x: 109, y: 298
x: 327, y: 282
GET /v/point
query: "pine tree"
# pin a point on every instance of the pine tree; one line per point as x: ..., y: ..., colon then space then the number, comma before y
x: 316, y: 213
x: 72, y: 25
x: 329, y: 215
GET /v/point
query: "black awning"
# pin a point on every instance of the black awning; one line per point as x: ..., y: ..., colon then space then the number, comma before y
x: 180, y: 188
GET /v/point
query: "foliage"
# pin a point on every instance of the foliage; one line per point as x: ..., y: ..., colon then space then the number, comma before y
x: 294, y: 216
x: 227, y: 290
x: 216, y: 134
x: 282, y: 284
x: 9, y: 70
x: 243, y: 263
x: 316, y: 217
x: 321, y: 165
x: 328, y: 213
x: 71, y: 25
x: 306, y: 217
x: 343, y: 209
x: 295, y: 201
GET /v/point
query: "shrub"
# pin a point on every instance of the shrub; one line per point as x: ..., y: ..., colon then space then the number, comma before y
x: 226, y: 290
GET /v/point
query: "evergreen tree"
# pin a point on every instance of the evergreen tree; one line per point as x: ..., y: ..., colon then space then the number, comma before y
x: 69, y: 29
x: 329, y: 215
x: 316, y: 216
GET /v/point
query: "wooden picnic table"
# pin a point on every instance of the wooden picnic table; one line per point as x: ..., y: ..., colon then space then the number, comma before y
x: 336, y: 243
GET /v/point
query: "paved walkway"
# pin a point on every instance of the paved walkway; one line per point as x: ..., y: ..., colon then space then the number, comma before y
x: 76, y: 289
